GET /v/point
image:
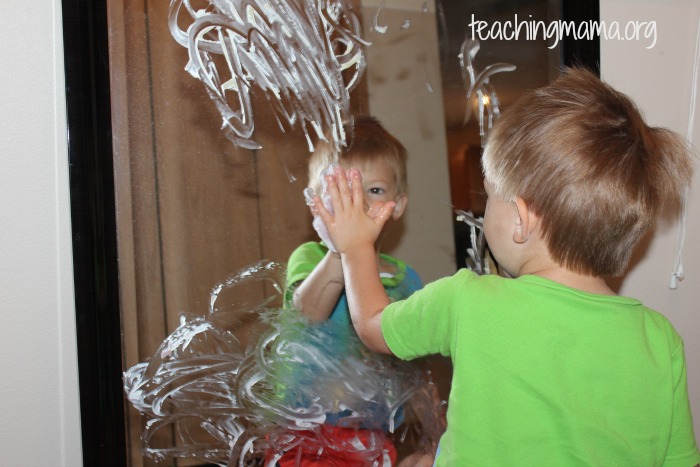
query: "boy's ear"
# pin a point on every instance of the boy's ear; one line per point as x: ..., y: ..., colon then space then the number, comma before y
x: 525, y: 221
x: 401, y: 202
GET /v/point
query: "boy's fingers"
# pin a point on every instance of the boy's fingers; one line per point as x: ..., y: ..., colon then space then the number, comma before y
x: 343, y: 188
x: 373, y: 210
x: 381, y: 212
x: 319, y: 209
x: 332, y: 189
x: 356, y: 184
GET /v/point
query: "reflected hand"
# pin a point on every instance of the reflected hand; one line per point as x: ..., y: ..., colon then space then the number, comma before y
x: 349, y: 225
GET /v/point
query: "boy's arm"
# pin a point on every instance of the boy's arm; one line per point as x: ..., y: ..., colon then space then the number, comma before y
x: 366, y: 296
x: 354, y: 232
x: 316, y: 296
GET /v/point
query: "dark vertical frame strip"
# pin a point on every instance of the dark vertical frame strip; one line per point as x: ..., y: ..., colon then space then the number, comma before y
x: 85, y: 36
x: 581, y: 52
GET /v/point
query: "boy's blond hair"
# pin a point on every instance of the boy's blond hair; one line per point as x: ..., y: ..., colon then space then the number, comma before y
x: 581, y: 156
x: 367, y: 140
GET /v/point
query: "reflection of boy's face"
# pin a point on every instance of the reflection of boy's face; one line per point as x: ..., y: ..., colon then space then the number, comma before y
x: 378, y: 183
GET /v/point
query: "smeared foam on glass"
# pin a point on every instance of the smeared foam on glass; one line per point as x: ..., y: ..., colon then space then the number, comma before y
x: 231, y: 403
x: 294, y: 51
x: 478, y: 87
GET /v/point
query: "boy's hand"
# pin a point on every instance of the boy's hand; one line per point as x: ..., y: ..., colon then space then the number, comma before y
x: 350, y: 225
x: 320, y: 227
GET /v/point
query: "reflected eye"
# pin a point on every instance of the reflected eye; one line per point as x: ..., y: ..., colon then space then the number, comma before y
x: 376, y: 191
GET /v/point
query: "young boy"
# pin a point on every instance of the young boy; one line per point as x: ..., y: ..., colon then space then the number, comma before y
x: 550, y: 366
x: 314, y: 272
x: 316, y: 288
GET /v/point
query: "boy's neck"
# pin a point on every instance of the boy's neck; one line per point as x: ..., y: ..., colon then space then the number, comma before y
x: 536, y: 260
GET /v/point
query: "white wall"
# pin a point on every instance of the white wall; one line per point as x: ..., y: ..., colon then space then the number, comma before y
x: 659, y: 80
x: 38, y: 388
x: 405, y: 93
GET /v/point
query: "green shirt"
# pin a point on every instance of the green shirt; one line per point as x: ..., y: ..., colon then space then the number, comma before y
x: 306, y: 257
x: 548, y: 375
x: 332, y: 369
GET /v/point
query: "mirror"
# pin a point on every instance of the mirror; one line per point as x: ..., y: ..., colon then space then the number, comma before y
x: 166, y: 206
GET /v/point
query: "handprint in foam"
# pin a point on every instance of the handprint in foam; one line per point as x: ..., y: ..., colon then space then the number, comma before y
x: 309, y: 194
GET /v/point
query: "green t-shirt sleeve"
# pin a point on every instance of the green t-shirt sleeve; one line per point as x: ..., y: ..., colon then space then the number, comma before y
x: 424, y: 323
x: 301, y: 263
x: 682, y: 448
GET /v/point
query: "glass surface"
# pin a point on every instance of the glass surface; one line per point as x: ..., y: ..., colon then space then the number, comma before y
x: 196, y: 203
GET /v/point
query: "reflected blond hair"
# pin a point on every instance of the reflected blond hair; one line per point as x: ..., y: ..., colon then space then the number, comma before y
x: 581, y: 156
x: 367, y: 141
